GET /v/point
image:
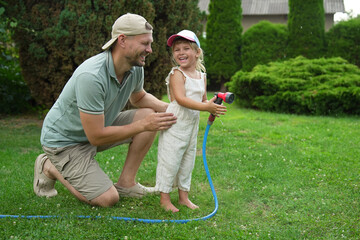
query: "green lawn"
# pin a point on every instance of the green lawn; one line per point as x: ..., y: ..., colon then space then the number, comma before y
x: 276, y: 176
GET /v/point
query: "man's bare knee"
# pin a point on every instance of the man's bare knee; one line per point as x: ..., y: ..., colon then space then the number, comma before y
x: 142, y: 113
x: 107, y: 199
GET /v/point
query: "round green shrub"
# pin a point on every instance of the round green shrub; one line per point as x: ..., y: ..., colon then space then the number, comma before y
x: 344, y: 40
x: 302, y: 86
x: 262, y: 43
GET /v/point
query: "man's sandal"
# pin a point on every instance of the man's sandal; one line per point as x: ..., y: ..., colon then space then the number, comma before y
x: 43, y: 186
x: 136, y: 191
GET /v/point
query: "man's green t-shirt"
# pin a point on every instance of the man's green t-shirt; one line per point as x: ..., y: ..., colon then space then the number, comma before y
x: 93, y: 88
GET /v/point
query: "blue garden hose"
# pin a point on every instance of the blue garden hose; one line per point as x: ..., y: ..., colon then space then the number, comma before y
x: 148, y: 220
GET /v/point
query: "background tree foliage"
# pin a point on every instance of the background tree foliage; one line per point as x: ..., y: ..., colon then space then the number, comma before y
x: 54, y: 37
x: 223, y: 40
x: 14, y: 94
x: 306, y: 28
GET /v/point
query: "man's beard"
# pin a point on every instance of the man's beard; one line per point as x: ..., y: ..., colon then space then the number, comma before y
x: 137, y: 60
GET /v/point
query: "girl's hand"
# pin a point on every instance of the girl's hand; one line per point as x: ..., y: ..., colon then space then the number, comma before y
x: 214, y: 108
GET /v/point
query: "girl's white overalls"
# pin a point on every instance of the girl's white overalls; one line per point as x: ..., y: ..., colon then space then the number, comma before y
x: 177, y: 145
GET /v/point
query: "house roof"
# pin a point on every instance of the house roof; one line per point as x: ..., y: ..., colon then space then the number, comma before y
x: 275, y: 7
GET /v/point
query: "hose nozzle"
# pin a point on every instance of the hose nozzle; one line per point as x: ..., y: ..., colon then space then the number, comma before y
x: 227, y: 97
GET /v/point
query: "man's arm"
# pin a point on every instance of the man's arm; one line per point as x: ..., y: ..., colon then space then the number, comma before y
x: 143, y: 99
x: 99, y: 135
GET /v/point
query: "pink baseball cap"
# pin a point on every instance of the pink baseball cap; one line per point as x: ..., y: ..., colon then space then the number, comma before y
x: 187, y: 34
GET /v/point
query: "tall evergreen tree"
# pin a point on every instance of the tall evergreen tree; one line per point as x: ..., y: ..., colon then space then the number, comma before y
x: 223, y: 40
x: 306, y: 28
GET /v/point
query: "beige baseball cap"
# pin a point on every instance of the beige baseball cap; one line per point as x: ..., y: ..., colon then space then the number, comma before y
x: 129, y: 24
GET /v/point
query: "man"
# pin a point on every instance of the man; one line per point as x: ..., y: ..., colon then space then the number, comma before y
x: 88, y: 118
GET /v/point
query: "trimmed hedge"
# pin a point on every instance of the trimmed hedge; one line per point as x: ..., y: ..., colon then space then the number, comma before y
x: 344, y: 40
x: 302, y: 86
x: 262, y: 43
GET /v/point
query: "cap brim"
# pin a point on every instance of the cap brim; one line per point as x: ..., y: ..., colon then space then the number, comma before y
x: 109, y: 43
x: 173, y: 37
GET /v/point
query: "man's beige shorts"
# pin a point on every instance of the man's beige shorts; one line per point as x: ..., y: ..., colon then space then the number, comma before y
x: 76, y: 163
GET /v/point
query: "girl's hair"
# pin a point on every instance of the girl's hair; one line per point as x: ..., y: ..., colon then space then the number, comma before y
x: 200, y: 60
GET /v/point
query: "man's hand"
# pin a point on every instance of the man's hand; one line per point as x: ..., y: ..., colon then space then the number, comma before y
x: 159, y: 121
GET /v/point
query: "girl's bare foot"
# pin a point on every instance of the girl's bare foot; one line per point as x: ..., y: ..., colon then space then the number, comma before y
x: 165, y: 202
x: 188, y: 203
x: 184, y: 200
x: 169, y: 207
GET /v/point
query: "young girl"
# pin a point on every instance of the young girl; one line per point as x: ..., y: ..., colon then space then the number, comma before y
x: 186, y: 85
